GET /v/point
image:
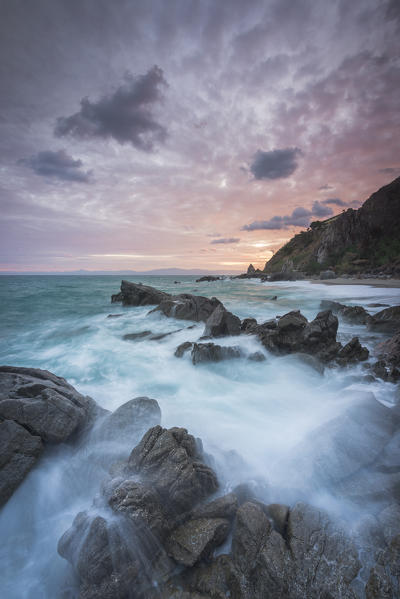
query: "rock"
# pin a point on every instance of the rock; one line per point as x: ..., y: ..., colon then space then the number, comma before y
x: 171, y: 460
x: 279, y: 514
x: 136, y: 294
x: 221, y: 323
x: 210, y: 352
x: 183, y: 348
x: 283, y: 276
x: 189, y: 307
x: 389, y: 519
x: 177, y: 282
x: 251, y: 270
x: 354, y: 314
x: 129, y: 422
x: 114, y: 315
x: 384, y: 579
x: 378, y: 305
x: 334, y: 307
x: 160, y: 336
x: 222, y: 507
x: 389, y: 350
x: 256, y: 356
x: 310, y: 361
x: 327, y: 274
x: 218, y: 579
x: 252, y: 529
x: 249, y: 325
x: 43, y: 403
x: 19, y: 451
x: 208, y: 279
x: 379, y: 370
x: 352, y: 352
x: 196, y: 539
x: 136, y: 336
x: 385, y: 321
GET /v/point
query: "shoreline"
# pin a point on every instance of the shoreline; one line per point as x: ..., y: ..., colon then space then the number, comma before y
x: 386, y: 283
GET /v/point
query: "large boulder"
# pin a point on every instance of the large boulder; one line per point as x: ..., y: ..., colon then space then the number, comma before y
x: 221, y: 323
x: 385, y: 321
x: 196, y: 539
x: 136, y: 294
x: 351, y: 314
x: 210, y: 352
x: 189, y: 307
x: 352, y: 352
x: 45, y: 404
x: 172, y: 461
x: 19, y: 451
x: 389, y: 350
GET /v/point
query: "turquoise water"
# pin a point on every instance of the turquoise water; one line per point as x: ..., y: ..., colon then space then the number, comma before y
x: 253, y: 417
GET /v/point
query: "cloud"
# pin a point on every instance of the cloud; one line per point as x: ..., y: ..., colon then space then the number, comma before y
x: 276, y: 164
x: 126, y: 115
x: 300, y: 217
x: 226, y: 240
x: 390, y: 170
x: 320, y: 210
x: 326, y: 187
x: 58, y: 165
x: 334, y: 202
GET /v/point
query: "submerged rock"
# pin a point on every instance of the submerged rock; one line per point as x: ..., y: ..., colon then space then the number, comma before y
x: 136, y: 336
x: 129, y: 422
x: 210, y: 352
x: 208, y: 278
x: 183, y: 348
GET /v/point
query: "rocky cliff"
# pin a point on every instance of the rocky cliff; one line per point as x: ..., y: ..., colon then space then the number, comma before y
x: 363, y: 240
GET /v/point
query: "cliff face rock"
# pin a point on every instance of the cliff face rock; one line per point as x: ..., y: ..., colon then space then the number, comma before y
x: 354, y: 241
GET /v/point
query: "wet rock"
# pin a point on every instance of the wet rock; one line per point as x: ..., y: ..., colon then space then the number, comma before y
x: 222, y: 323
x: 217, y: 580
x: 222, y: 507
x: 379, y: 370
x: 114, y: 315
x: 19, y: 451
x: 256, y: 356
x: 136, y: 294
x: 389, y: 350
x: 128, y: 423
x: 196, y: 539
x: 183, y: 348
x: 172, y: 461
x: 189, y: 307
x: 389, y: 519
x: 136, y: 336
x: 385, y: 321
x: 310, y: 361
x: 210, y: 352
x: 354, y: 314
x: 248, y: 325
x: 352, y: 352
x: 208, y: 279
x: 327, y: 274
x: 45, y: 404
x: 384, y: 579
x: 279, y: 514
x: 252, y: 529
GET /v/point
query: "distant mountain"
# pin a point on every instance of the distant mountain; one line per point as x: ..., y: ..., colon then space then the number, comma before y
x: 355, y: 241
x: 126, y: 273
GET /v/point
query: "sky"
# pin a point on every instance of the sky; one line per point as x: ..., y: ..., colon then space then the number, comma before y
x: 141, y: 134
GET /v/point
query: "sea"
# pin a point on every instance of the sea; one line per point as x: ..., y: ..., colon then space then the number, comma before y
x: 254, y: 418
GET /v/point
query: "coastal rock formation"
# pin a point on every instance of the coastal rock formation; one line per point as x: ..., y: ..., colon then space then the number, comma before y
x: 36, y: 408
x: 354, y: 241
x: 221, y: 323
x: 208, y: 279
x: 351, y: 314
x: 389, y: 350
x: 210, y: 352
x: 385, y: 321
x: 130, y: 421
x: 160, y: 536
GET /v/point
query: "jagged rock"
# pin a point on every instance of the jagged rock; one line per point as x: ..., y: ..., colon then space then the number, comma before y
x: 183, y: 348
x: 293, y: 333
x: 136, y: 336
x: 354, y: 314
x: 222, y: 507
x: 385, y: 321
x: 171, y: 460
x: 389, y: 519
x: 283, y: 276
x: 379, y: 370
x: 389, y: 350
x: 252, y: 529
x: 43, y: 403
x: 352, y: 352
x: 196, y: 539
x: 189, y: 307
x: 249, y: 325
x: 136, y: 294
x: 335, y: 307
x: 256, y: 356
x: 384, y: 579
x: 208, y: 279
x: 221, y: 323
x: 251, y: 270
x: 210, y: 352
x: 217, y: 580
x: 279, y: 514
x: 129, y: 422
x: 114, y: 315
x: 19, y: 451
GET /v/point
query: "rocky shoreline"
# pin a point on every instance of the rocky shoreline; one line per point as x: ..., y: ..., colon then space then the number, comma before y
x: 164, y: 526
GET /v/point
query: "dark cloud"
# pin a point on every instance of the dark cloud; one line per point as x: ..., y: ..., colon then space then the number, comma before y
x: 321, y: 210
x: 58, y: 165
x: 276, y: 164
x: 334, y: 202
x: 226, y: 240
x: 126, y: 115
x: 300, y: 217
x: 390, y: 170
x: 326, y: 187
